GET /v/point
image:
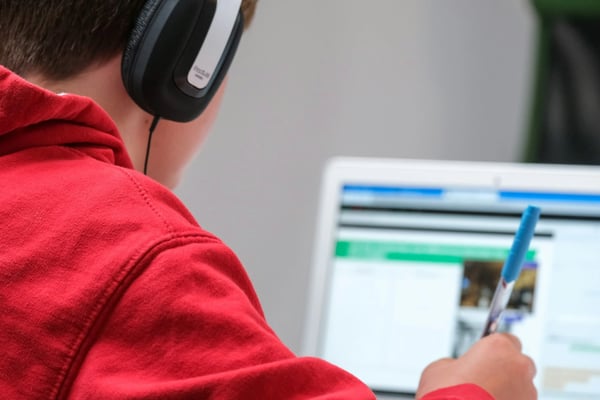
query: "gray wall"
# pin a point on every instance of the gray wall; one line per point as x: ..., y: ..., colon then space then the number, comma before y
x: 313, y: 79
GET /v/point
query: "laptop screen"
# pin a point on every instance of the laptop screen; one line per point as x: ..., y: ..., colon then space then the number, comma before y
x: 412, y: 270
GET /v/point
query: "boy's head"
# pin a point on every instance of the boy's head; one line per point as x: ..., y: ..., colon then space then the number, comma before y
x: 76, y: 46
x: 58, y: 39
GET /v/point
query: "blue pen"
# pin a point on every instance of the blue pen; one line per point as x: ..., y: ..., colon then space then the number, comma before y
x: 512, y: 268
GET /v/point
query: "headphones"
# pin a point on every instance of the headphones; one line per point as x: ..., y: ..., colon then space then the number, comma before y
x: 178, y: 54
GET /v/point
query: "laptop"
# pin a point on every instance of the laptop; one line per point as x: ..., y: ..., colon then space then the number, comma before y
x: 408, y: 254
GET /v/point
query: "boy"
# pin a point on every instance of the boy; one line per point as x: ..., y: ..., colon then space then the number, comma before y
x: 110, y: 289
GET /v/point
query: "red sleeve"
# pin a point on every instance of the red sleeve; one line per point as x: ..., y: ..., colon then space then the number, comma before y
x: 190, y: 327
x: 460, y: 392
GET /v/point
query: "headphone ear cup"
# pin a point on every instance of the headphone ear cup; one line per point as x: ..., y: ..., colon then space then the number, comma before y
x: 135, y: 37
x: 178, y: 54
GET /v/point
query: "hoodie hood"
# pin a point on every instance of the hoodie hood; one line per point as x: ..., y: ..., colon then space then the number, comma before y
x: 31, y: 116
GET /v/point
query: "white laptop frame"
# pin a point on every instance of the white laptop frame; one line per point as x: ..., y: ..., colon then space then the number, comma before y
x: 373, y: 171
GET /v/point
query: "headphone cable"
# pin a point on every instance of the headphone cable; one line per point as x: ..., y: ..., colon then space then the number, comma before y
x: 150, y: 132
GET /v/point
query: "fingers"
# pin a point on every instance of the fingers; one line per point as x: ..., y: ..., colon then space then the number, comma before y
x: 444, y: 361
x: 515, y: 340
x: 530, y: 366
x: 435, y: 376
x: 526, y: 363
x: 441, y: 363
x: 496, y: 363
x: 512, y: 339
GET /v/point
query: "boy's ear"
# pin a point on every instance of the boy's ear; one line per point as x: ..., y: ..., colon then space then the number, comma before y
x: 178, y: 53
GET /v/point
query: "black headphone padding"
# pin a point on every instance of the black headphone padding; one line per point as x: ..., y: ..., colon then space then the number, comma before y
x: 135, y: 37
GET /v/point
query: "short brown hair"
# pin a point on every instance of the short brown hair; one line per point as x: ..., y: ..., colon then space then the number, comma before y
x: 59, y: 39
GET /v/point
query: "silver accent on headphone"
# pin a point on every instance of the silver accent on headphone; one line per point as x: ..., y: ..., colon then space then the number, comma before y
x: 218, y: 35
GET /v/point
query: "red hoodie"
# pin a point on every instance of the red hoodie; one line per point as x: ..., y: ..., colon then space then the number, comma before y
x: 111, y: 290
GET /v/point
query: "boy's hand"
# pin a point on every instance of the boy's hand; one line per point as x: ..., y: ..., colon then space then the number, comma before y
x: 495, y: 363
